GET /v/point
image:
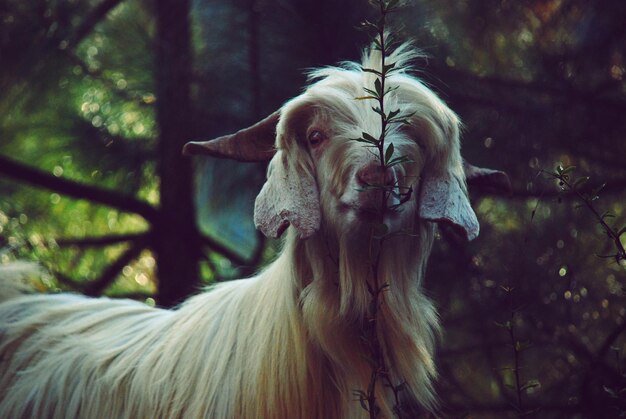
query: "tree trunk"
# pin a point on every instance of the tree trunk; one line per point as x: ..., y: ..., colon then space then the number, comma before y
x: 253, y: 58
x: 176, y: 235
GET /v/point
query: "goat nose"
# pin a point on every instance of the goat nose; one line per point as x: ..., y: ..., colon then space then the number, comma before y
x: 372, y: 174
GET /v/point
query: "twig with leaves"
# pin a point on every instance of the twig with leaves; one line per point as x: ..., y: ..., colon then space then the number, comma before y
x: 380, y: 231
x: 517, y: 347
x: 568, y: 183
x: 617, y: 393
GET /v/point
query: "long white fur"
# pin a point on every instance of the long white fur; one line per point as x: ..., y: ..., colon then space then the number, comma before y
x: 284, y: 344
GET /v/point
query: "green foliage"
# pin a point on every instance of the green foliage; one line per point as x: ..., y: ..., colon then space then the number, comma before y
x: 82, y: 113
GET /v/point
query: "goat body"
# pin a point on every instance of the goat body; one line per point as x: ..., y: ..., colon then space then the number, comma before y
x: 287, y: 343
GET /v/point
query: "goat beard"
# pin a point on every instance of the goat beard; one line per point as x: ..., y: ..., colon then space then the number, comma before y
x: 335, y: 301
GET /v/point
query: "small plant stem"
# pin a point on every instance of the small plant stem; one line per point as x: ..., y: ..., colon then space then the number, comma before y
x: 609, y: 231
x: 613, y: 235
x: 516, y: 361
x: 376, y: 350
x: 383, y: 119
x: 378, y: 233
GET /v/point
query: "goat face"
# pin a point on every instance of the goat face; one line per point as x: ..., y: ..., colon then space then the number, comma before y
x: 317, y: 132
x: 319, y: 172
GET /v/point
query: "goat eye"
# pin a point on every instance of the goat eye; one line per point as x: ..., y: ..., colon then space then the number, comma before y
x: 315, y: 138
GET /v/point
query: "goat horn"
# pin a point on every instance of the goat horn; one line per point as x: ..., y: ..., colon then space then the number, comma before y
x: 255, y: 143
x: 488, y: 180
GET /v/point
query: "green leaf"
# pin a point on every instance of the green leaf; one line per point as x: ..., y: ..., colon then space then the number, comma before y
x: 389, y: 153
x: 371, y: 70
x: 388, y: 67
x: 597, y: 190
x: 391, y: 89
x: 392, y: 114
x: 366, y: 144
x: 362, y: 397
x: 530, y: 384
x: 398, y: 160
x: 369, y: 138
x: 378, y: 111
x: 367, y: 25
x: 365, y: 97
x: 376, y: 42
x: 378, y: 87
x: 371, y: 92
x: 395, y: 193
x: 607, y: 214
x: 506, y: 325
x: 568, y: 169
x: 522, y: 345
x: 610, y: 391
x: 402, y: 119
x: 391, y: 4
x: 606, y: 256
x: 580, y: 181
x: 389, y: 40
x: 366, y: 138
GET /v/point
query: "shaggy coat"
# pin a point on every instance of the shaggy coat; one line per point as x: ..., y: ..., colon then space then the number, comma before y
x: 286, y: 343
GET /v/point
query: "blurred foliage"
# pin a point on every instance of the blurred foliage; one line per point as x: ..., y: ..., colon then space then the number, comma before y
x: 537, y: 83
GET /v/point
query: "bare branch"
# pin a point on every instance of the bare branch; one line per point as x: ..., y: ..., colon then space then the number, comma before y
x: 101, y: 240
x: 36, y: 177
x: 86, y: 26
x: 96, y: 287
x: 213, y: 245
x: 547, y: 91
x: 255, y: 259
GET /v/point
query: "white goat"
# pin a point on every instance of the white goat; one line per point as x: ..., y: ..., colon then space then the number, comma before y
x: 286, y: 343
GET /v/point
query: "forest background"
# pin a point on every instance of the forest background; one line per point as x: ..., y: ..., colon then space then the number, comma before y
x: 98, y: 97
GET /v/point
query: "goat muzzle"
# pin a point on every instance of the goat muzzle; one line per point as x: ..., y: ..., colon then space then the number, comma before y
x: 373, y: 174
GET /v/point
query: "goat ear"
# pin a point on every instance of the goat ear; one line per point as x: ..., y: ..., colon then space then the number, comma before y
x: 444, y: 199
x: 289, y: 196
x: 255, y: 143
x: 487, y: 180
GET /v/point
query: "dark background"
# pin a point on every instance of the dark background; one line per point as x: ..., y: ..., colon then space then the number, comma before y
x: 98, y: 97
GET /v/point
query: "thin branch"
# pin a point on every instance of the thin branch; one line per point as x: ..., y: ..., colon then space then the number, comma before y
x: 216, y: 274
x: 571, y: 186
x: 65, y: 280
x: 545, y: 90
x: 95, y: 288
x: 36, y: 177
x: 610, y: 339
x: 234, y: 257
x: 101, y: 240
x: 255, y: 259
x: 89, y: 23
x: 612, y: 187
